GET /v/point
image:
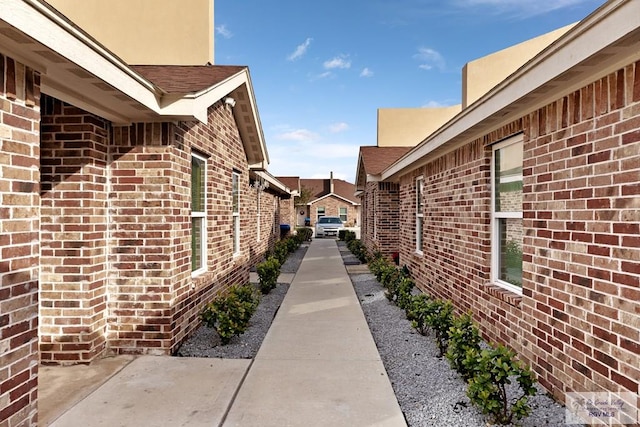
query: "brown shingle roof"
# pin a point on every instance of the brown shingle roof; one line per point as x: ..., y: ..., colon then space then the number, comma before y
x: 376, y: 159
x: 293, y: 182
x: 186, y: 78
x: 322, y: 187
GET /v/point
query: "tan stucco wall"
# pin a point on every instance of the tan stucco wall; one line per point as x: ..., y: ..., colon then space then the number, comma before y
x: 407, y: 127
x: 144, y: 32
x: 481, y: 75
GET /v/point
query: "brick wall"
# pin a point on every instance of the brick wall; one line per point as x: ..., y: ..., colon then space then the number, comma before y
x: 288, y: 212
x: 268, y: 232
x: 19, y: 228
x: 332, y: 207
x: 581, y: 313
x: 578, y: 320
x: 74, y: 191
x: 380, y: 217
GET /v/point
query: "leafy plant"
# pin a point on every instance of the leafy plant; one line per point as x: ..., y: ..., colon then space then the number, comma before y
x: 281, y: 251
x: 230, y: 314
x: 464, y: 344
x: 403, y: 292
x: 495, y: 368
x: 440, y: 319
x: 349, y: 236
x: 303, y: 234
x: 417, y: 312
x: 358, y: 249
x: 268, y: 272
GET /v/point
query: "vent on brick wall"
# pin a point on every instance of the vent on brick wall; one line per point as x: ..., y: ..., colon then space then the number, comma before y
x: 388, y: 186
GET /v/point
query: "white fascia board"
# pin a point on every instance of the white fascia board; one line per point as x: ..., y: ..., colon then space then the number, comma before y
x: 256, y: 115
x: 273, y: 182
x: 334, y: 195
x: 39, y: 22
x: 611, y: 22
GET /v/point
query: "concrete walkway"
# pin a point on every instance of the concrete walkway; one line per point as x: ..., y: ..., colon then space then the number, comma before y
x: 318, y: 366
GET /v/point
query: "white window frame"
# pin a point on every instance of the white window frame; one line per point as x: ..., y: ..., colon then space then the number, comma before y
x: 202, y: 216
x: 235, y: 211
x: 497, y: 216
x: 346, y: 213
x: 324, y: 212
x: 419, y: 214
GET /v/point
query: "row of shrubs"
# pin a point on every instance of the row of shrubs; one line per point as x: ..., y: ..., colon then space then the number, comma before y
x: 230, y: 313
x: 487, y: 369
x: 355, y: 245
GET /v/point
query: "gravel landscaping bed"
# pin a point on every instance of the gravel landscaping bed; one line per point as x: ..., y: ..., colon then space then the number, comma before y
x: 205, y: 342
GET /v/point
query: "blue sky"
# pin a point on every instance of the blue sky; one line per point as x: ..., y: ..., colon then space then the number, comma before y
x: 321, y: 69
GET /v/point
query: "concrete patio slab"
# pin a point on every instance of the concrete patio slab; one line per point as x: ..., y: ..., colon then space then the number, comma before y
x: 161, y: 391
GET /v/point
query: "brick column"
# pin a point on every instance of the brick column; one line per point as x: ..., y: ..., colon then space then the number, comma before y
x: 150, y: 234
x: 74, y: 233
x: 19, y: 246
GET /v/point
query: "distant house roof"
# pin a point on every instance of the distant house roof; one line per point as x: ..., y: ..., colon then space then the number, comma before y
x: 321, y: 188
x: 186, y: 78
x: 377, y: 159
x: 372, y: 160
x: 293, y: 182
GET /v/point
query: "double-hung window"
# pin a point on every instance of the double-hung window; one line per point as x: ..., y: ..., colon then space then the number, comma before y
x: 419, y: 213
x: 343, y: 214
x: 235, y: 196
x: 506, y: 244
x: 320, y: 212
x: 198, y: 213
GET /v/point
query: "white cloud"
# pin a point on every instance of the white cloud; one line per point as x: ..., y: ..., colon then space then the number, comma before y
x: 429, y: 59
x: 300, y: 50
x: 341, y: 61
x: 224, y: 31
x: 338, y: 127
x: 299, y: 135
x: 521, y: 8
x: 366, y: 72
x: 321, y: 76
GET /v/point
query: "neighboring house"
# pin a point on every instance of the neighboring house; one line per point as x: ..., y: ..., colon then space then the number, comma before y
x: 380, y: 201
x: 327, y: 197
x: 131, y: 196
x: 524, y: 208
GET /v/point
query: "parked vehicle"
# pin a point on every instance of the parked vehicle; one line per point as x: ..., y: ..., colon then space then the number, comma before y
x: 328, y: 226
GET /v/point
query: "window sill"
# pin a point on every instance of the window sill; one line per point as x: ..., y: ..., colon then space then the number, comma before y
x: 503, y: 294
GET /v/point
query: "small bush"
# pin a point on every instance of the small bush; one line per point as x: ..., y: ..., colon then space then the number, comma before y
x: 230, y: 314
x: 495, y: 368
x: 341, y: 234
x: 358, y: 249
x: 304, y: 234
x: 281, y: 251
x: 464, y: 344
x: 417, y: 312
x: 349, y: 235
x: 440, y: 319
x: 403, y: 292
x: 268, y: 272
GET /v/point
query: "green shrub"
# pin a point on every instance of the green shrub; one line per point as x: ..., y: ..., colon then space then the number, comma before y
x: 341, y: 234
x: 303, y: 234
x: 417, y: 312
x: 358, y: 249
x: 403, y: 292
x: 268, y: 272
x: 464, y: 345
x: 440, y: 319
x: 349, y: 235
x: 495, y: 368
x: 230, y: 314
x: 379, y: 267
x: 281, y: 251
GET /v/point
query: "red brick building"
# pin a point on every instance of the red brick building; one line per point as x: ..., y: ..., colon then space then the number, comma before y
x: 327, y: 197
x: 130, y: 197
x: 524, y: 208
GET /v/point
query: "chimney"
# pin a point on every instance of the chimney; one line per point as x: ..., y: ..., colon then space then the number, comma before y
x: 331, y: 182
